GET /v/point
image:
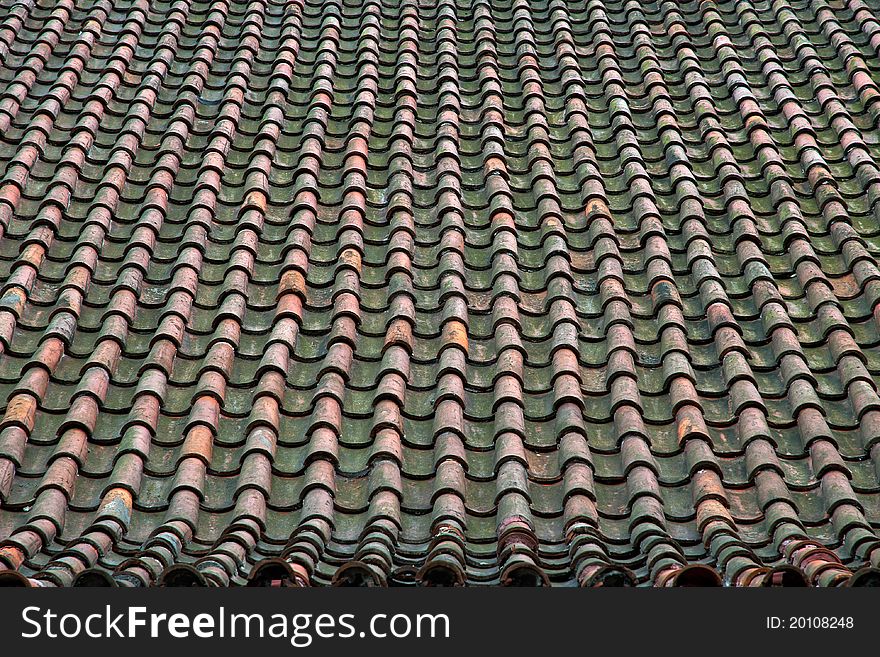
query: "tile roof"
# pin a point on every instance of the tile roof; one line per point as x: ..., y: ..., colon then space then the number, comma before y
x: 437, y: 291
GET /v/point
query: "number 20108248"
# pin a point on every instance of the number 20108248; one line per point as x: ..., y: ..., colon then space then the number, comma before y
x: 810, y: 623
